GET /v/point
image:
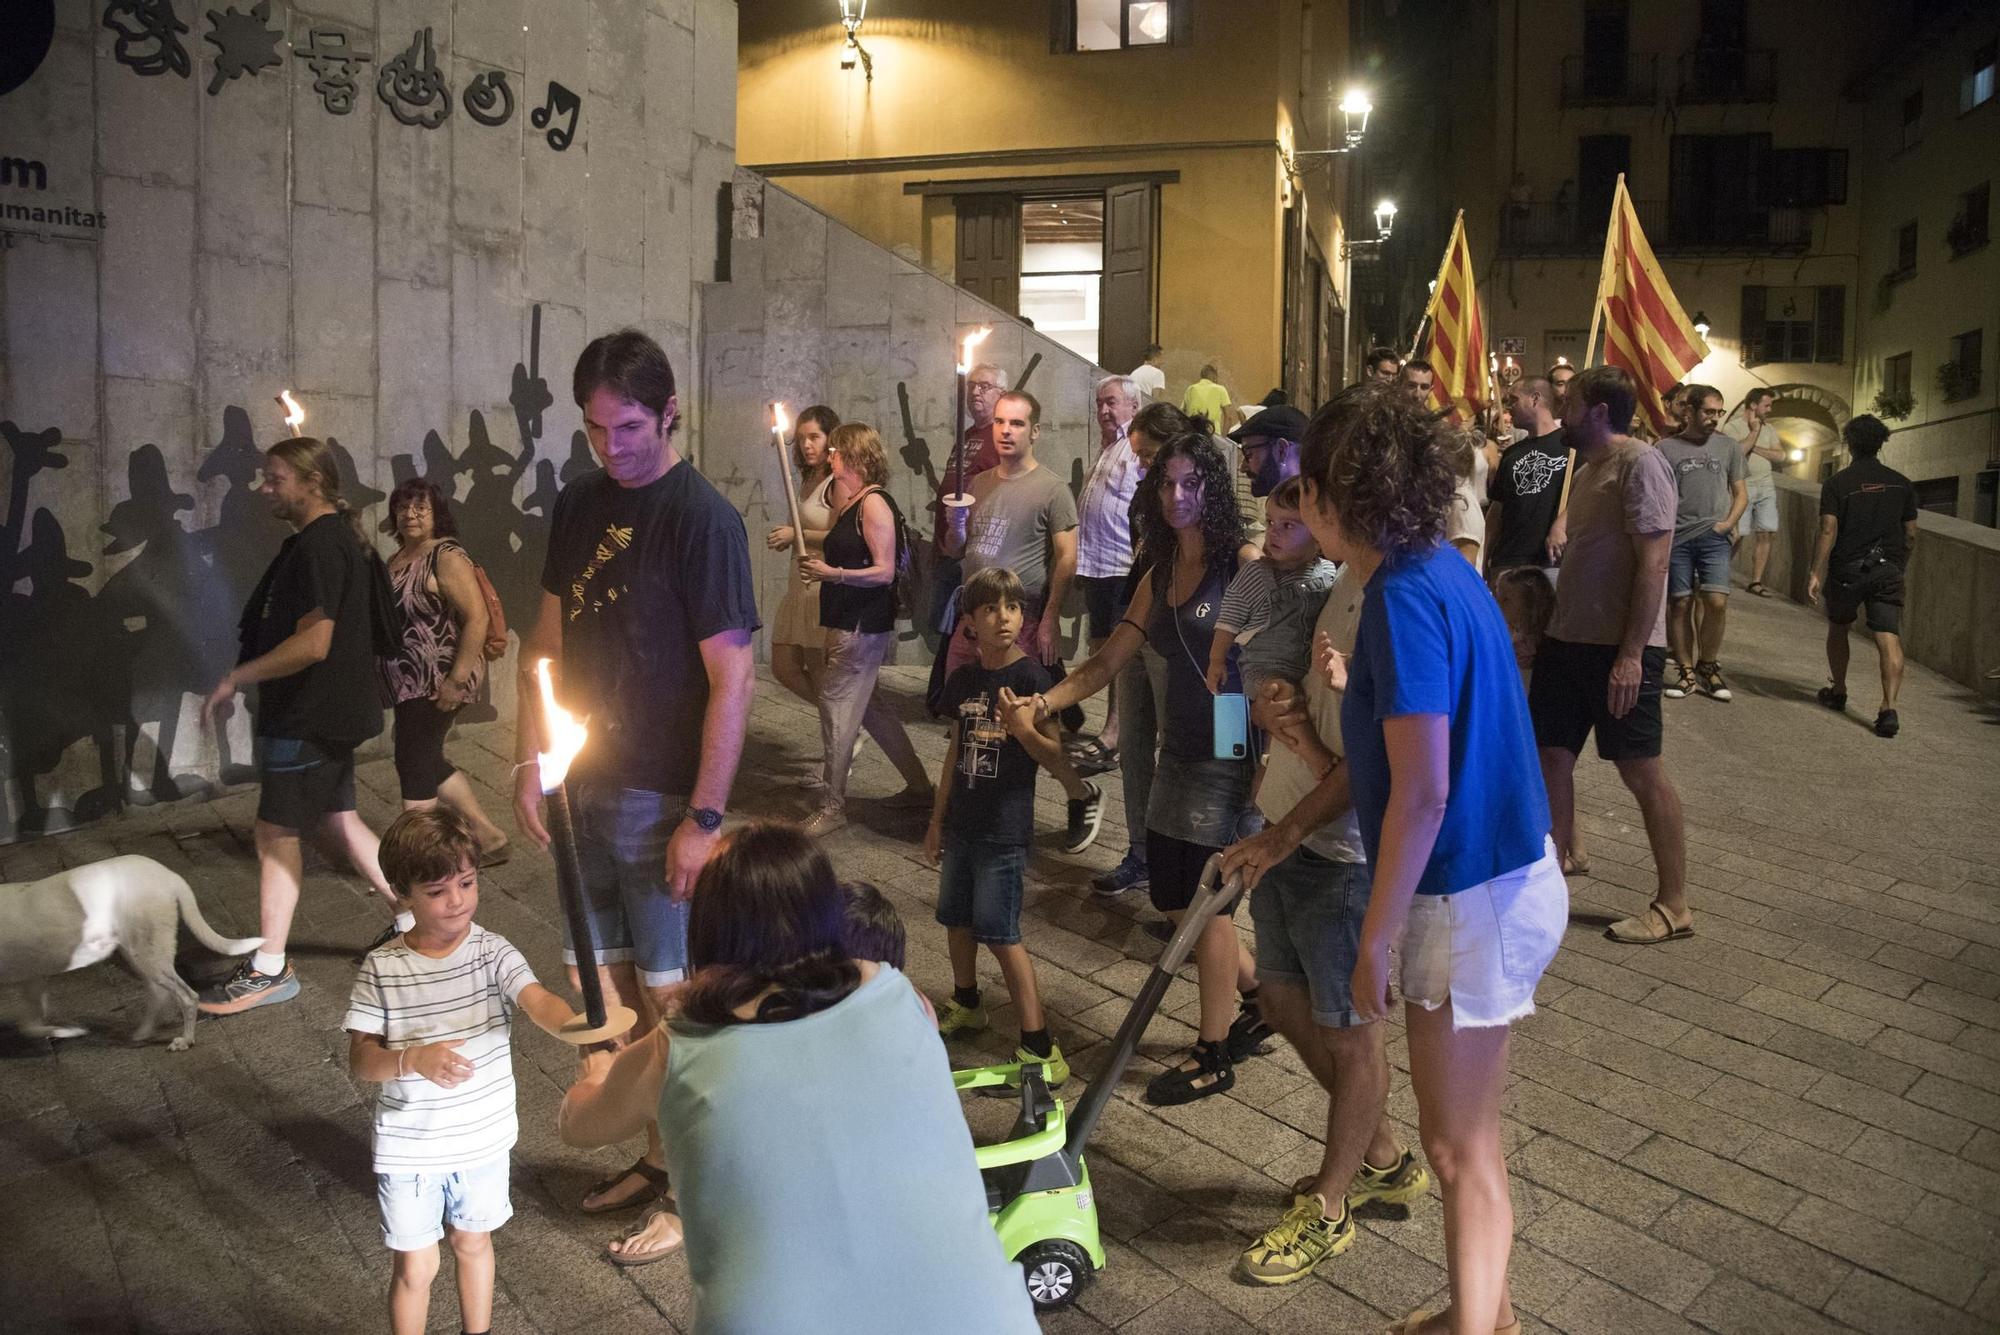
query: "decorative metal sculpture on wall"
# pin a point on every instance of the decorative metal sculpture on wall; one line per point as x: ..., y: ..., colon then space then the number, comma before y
x: 562, y: 102
x: 334, y: 66
x: 487, y: 91
x: 412, y: 86
x: 243, y: 43
x: 149, y: 41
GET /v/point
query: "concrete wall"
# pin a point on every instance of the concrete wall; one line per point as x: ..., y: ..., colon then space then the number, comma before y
x: 388, y: 274
x: 977, y: 78
x: 1951, y: 592
x: 815, y: 313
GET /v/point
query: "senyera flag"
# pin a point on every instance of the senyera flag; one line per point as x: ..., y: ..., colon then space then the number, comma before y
x: 1646, y: 333
x: 1458, y: 333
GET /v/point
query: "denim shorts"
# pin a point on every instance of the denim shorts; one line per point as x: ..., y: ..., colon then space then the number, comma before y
x: 417, y: 1206
x: 1308, y: 911
x: 1700, y: 562
x: 621, y: 842
x: 1484, y: 948
x: 980, y: 885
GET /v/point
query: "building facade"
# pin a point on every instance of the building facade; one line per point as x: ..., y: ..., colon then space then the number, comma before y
x: 1727, y: 120
x: 1925, y: 157
x: 1119, y: 173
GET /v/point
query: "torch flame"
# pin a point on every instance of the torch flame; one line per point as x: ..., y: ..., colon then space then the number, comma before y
x: 295, y: 416
x: 972, y: 340
x: 560, y: 731
x: 779, y: 423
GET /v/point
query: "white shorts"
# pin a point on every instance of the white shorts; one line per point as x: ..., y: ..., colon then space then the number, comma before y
x: 416, y: 1206
x: 1484, y: 948
x: 1761, y: 514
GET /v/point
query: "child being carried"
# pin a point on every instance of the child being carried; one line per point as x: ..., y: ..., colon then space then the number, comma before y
x: 1273, y: 603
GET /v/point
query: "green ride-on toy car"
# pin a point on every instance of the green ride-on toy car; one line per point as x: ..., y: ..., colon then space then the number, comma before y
x: 1038, y: 1188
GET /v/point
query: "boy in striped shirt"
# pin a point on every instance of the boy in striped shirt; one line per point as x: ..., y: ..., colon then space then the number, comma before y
x: 429, y: 1021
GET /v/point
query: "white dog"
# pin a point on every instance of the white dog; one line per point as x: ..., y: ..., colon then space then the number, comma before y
x: 127, y: 905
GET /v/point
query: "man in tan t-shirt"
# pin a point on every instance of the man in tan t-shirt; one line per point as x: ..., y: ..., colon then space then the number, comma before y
x: 1600, y: 666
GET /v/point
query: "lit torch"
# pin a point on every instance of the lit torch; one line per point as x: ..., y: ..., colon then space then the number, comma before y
x: 295, y: 416
x: 564, y: 736
x: 778, y: 428
x: 972, y: 340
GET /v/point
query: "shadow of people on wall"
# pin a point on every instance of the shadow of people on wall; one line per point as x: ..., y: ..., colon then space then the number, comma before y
x: 59, y: 679
x: 440, y: 469
x: 236, y: 549
x: 163, y: 599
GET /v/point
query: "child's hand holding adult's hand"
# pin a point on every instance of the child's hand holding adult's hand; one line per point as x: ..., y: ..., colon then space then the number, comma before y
x: 440, y: 1063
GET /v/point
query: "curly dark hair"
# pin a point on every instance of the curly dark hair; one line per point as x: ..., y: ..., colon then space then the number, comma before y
x: 1222, y: 531
x: 1384, y: 465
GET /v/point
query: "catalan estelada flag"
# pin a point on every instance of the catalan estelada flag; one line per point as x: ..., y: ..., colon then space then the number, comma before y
x: 1646, y: 333
x: 1458, y: 333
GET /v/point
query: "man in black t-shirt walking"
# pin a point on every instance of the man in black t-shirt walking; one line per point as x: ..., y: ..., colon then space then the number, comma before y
x: 1867, y: 524
x: 1524, y: 522
x: 308, y: 638
x: 647, y: 609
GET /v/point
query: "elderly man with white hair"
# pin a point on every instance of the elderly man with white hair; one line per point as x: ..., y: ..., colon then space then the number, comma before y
x: 1104, y: 540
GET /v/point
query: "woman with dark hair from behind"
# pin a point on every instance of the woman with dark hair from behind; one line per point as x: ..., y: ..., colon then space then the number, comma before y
x: 442, y: 660
x: 822, y: 1165
x: 797, y: 642
x: 1448, y: 792
x: 1200, y: 802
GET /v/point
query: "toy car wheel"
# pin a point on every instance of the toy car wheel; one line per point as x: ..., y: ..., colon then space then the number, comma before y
x: 1054, y: 1271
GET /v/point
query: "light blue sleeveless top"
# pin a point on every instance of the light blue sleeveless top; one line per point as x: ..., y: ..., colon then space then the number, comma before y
x: 826, y: 1179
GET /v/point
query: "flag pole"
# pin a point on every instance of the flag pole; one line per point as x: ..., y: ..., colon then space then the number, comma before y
x: 1604, y: 270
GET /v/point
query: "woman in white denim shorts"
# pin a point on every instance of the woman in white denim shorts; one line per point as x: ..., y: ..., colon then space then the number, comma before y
x: 1449, y: 797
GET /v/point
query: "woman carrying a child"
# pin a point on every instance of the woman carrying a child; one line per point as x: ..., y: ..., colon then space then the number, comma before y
x: 1200, y: 802
x: 823, y: 1168
x: 1452, y: 813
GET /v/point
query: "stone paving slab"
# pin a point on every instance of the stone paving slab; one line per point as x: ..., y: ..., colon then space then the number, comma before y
x: 1790, y: 1123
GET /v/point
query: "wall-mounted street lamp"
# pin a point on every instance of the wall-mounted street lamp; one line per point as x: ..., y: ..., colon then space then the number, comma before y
x: 1701, y: 323
x: 1355, y: 108
x: 852, y: 12
x: 1385, y: 223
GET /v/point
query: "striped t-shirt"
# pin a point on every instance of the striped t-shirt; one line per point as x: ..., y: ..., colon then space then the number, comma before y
x: 411, y: 999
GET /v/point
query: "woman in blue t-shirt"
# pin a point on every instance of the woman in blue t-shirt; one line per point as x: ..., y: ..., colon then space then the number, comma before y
x: 1453, y: 816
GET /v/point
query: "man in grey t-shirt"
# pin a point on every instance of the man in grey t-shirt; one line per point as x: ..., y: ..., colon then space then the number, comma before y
x: 1708, y: 470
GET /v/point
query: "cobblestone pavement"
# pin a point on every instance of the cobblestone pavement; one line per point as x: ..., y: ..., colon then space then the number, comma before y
x: 1790, y: 1123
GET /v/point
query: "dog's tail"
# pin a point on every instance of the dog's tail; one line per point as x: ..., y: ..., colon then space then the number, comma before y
x: 191, y: 915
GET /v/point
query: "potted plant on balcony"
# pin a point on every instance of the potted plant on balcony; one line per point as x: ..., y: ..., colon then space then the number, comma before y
x: 1956, y: 380
x: 1893, y: 405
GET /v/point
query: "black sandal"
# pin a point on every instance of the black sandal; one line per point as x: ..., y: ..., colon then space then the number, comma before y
x: 1180, y: 1085
x: 1248, y: 1033
x: 656, y: 1187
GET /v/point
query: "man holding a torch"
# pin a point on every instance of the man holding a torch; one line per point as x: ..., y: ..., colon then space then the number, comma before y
x: 647, y: 610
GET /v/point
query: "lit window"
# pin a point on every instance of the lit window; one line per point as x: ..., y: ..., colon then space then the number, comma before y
x: 1978, y: 86
x: 1062, y: 270
x: 1109, y: 25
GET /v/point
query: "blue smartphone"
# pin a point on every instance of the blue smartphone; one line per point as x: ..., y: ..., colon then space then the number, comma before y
x: 1232, y: 726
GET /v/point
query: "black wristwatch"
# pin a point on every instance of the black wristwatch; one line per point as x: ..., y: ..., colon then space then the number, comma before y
x: 708, y: 818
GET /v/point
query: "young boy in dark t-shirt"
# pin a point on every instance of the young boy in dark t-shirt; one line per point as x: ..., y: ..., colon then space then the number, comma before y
x: 985, y: 815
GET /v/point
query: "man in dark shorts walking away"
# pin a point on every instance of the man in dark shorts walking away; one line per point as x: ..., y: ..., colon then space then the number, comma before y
x: 1867, y: 525
x: 647, y: 609
x: 1600, y: 667
x: 308, y: 638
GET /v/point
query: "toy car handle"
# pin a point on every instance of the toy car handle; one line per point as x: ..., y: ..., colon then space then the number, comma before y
x: 1210, y: 894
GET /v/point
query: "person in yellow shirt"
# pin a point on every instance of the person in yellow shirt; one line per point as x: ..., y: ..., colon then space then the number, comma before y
x: 1206, y: 398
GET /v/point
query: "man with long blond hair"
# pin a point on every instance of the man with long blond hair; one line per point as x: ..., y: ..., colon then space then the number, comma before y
x: 308, y: 645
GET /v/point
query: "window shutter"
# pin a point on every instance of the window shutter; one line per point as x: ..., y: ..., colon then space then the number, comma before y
x: 1126, y: 301
x: 1830, y: 317
x: 989, y: 252
x: 1062, y: 26
x: 1753, y: 326
x: 1180, y: 13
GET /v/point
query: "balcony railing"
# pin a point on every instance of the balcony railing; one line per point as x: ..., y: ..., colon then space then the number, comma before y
x: 1558, y: 228
x: 1728, y: 74
x: 1610, y: 81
